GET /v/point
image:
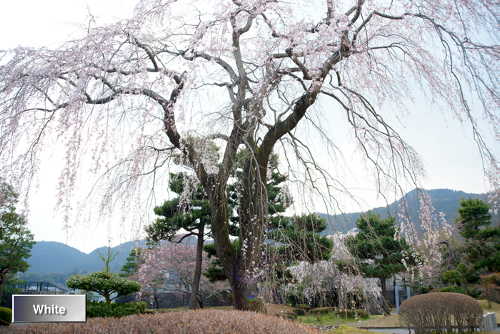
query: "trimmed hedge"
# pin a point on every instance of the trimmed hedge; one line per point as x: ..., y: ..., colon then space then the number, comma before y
x: 5, y: 316
x: 104, y: 310
x: 441, y: 312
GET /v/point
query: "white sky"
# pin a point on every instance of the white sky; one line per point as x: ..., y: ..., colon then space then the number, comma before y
x: 446, y: 147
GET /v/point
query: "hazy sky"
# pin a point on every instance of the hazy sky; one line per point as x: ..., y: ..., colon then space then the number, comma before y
x: 446, y: 146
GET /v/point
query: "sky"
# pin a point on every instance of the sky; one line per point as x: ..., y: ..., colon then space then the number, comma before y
x: 445, y: 146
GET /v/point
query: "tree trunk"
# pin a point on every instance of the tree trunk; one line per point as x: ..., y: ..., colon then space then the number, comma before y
x: 252, y: 217
x: 2, y: 279
x: 385, y: 303
x: 195, y: 288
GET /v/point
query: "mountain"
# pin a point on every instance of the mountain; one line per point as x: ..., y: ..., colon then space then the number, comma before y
x: 58, y: 258
x: 446, y: 201
x: 55, y: 257
x: 54, y: 262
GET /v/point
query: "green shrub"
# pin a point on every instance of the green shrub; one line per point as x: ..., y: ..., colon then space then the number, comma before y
x: 491, y: 287
x: 470, y: 291
x: 363, y: 314
x: 299, y: 311
x: 104, y: 283
x: 304, y: 307
x: 453, y: 288
x: 322, y: 310
x: 292, y: 299
x: 452, y: 277
x: 5, y: 316
x: 103, y: 310
x: 346, y: 313
x: 257, y: 305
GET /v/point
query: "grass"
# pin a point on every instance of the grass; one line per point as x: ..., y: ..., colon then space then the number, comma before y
x: 380, y: 321
x: 351, y: 330
x: 327, y: 319
x: 495, y: 307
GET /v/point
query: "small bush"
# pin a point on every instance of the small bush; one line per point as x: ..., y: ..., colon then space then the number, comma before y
x: 441, y: 312
x: 363, y: 314
x: 299, y: 311
x: 103, y: 310
x: 491, y: 287
x: 453, y: 288
x: 257, y: 305
x: 322, y: 310
x: 346, y: 313
x: 304, y: 307
x: 470, y: 291
x: 5, y: 316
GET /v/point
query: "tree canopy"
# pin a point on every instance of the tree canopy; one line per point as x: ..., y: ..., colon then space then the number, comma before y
x: 132, y: 263
x: 106, y: 284
x: 482, y: 241
x: 15, y: 238
x: 379, y: 252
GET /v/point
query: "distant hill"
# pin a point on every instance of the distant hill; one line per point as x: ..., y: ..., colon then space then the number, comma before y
x: 444, y: 200
x: 54, y: 262
x: 55, y: 257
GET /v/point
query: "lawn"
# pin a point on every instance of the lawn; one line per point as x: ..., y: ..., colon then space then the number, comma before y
x: 380, y: 321
x: 495, y: 307
x: 351, y: 330
x: 328, y: 319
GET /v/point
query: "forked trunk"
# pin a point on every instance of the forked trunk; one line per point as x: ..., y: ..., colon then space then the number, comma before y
x: 241, y: 266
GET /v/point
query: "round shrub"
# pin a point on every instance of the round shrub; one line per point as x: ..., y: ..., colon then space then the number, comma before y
x: 104, y: 310
x: 441, y: 312
x: 5, y: 316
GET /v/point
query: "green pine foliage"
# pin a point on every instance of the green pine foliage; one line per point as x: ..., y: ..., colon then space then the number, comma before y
x: 482, y: 241
x: 299, y: 238
x: 132, y: 263
x: 377, y: 250
x: 172, y: 218
x: 116, y: 310
x: 106, y: 284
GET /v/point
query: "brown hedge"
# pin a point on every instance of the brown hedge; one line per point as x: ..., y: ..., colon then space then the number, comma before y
x: 188, y: 322
x: 441, y: 312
